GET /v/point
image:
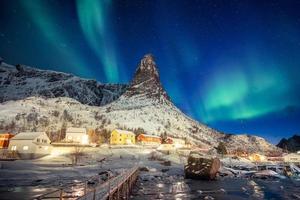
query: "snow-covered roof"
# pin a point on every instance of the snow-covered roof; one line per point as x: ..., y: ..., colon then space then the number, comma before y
x: 148, y: 135
x: 292, y: 155
x: 124, y: 132
x: 76, y: 130
x: 27, y: 135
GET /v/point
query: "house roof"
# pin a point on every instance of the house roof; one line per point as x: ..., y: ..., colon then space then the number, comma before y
x: 292, y: 154
x: 124, y: 132
x: 76, y: 130
x: 148, y: 135
x: 27, y: 135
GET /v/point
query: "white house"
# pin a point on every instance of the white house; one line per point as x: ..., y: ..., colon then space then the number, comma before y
x: 178, y: 143
x: 30, y: 145
x: 77, y: 135
x: 292, y: 157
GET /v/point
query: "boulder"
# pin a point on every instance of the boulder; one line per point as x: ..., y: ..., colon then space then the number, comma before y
x: 201, y: 167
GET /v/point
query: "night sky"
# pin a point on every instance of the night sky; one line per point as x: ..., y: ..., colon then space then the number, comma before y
x: 234, y: 65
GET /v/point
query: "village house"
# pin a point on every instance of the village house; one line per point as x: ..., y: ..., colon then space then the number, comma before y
x: 4, y: 140
x: 148, y: 139
x: 292, y: 158
x: 178, y: 143
x: 77, y: 135
x: 30, y: 145
x: 255, y: 157
x: 121, y: 137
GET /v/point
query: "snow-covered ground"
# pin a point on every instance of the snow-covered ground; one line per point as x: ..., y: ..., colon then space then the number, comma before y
x: 35, y: 176
x: 56, y: 169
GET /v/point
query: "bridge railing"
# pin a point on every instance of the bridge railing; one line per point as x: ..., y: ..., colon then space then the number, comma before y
x: 103, y: 190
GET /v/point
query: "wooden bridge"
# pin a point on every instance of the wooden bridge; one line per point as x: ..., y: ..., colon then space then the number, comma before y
x: 117, y: 187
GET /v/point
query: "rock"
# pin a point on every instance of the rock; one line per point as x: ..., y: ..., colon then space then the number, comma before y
x: 144, y: 169
x: 166, y: 163
x: 208, y: 198
x: 164, y: 170
x: 201, y: 167
x: 20, y: 68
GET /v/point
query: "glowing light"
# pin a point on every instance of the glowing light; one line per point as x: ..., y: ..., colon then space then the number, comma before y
x: 237, y: 94
x: 257, y: 158
x: 178, y: 145
x: 85, y: 139
x: 95, y: 25
x: 42, y: 17
x: 55, y: 152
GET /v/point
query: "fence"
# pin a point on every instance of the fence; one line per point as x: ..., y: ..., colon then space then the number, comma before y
x: 114, y: 188
x: 118, y: 187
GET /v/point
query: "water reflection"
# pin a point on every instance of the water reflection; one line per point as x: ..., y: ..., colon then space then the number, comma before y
x: 225, y: 188
x: 257, y: 190
x: 179, y: 187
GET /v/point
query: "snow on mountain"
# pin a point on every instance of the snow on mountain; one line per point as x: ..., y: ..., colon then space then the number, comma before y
x: 291, y: 144
x: 248, y: 142
x: 19, y: 82
x: 144, y: 104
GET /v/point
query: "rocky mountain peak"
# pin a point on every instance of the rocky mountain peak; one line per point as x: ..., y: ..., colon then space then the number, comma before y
x: 146, y: 80
x: 146, y: 70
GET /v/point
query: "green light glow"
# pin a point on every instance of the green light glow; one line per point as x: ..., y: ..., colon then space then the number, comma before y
x: 94, y: 23
x: 245, y: 94
x: 45, y: 20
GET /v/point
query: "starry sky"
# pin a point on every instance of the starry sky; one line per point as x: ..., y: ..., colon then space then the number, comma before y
x: 233, y: 65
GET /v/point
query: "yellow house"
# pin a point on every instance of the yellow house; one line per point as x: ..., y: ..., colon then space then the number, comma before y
x: 255, y: 157
x: 122, y: 137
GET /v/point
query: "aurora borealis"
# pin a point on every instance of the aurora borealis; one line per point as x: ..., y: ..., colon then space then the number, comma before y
x: 233, y: 65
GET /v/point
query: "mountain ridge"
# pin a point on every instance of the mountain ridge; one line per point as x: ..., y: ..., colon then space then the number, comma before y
x: 20, y: 81
x: 142, y: 104
x: 291, y: 144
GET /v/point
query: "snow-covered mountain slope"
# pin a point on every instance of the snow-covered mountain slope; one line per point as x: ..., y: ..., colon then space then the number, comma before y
x: 19, y: 82
x: 248, y: 142
x: 145, y: 104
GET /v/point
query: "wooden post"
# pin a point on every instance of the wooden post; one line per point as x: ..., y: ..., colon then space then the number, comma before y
x: 94, y: 195
x: 61, y: 194
x: 118, y: 192
x: 85, y: 187
x: 108, y: 186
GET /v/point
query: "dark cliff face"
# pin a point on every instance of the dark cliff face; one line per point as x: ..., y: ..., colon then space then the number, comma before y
x: 21, y: 82
x: 146, y: 81
x: 291, y: 144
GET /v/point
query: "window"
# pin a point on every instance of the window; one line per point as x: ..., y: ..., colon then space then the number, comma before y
x: 38, y: 140
x: 25, y: 148
x: 13, y: 148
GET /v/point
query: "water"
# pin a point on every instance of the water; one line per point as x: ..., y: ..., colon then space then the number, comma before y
x: 225, y: 188
x: 175, y: 187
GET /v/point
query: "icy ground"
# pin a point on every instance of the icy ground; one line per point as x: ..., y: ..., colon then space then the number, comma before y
x: 161, y: 176
x: 30, y: 178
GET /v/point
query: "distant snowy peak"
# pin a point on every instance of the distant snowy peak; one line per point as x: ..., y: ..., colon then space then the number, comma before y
x: 291, y: 144
x: 19, y: 82
x: 247, y: 142
x: 146, y: 81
